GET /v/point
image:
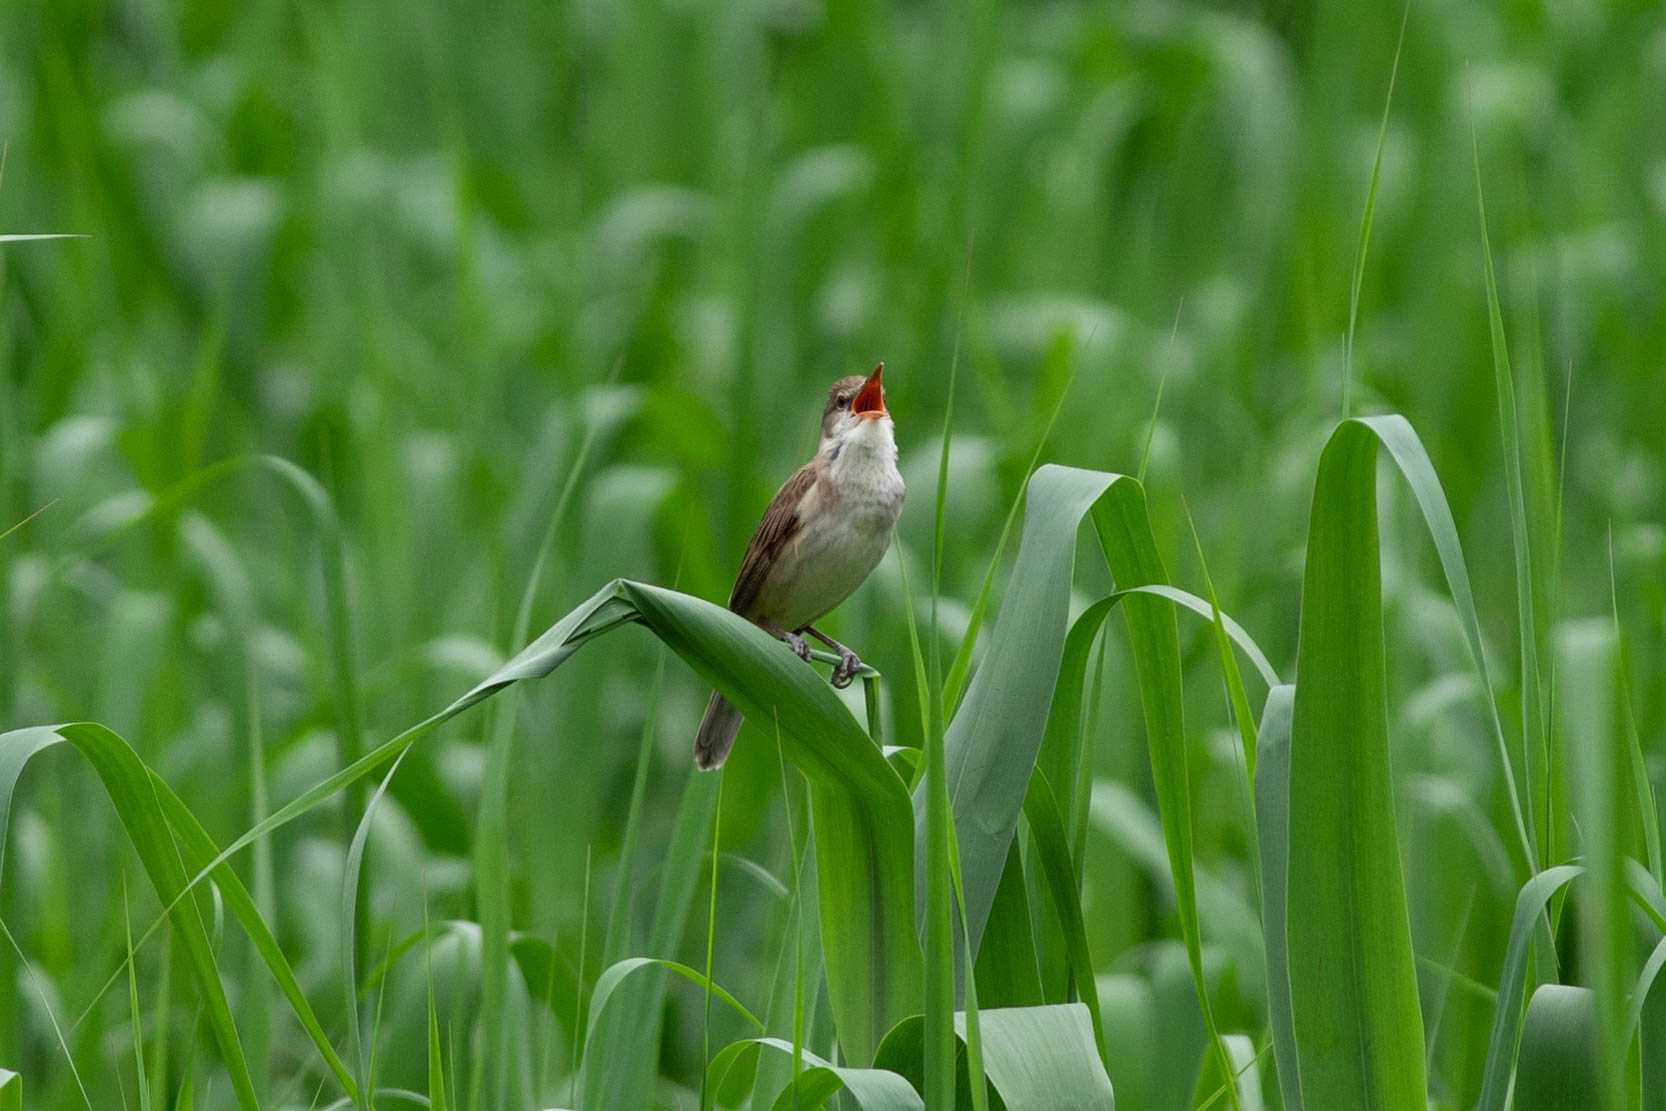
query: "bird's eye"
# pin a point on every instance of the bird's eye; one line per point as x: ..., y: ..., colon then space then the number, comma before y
x: 844, y: 401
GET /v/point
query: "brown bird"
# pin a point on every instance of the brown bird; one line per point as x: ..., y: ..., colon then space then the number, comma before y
x: 825, y: 530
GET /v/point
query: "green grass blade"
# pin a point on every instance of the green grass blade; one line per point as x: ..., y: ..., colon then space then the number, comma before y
x: 711, y: 943
x: 955, y: 681
x: 491, y: 850
x: 1125, y: 535
x: 128, y: 783
x: 1052, y: 849
x: 937, y: 929
x: 36, y: 981
x: 976, y: 1082
x: 349, y: 940
x: 1008, y: 971
x: 233, y: 596
x: 1587, y: 659
x: 1272, y: 831
x: 1406, y: 451
x: 1534, y: 712
x: 198, y: 850
x: 36, y: 237
x: 860, y: 806
x: 1211, y: 1086
x: 615, y: 974
x: 436, y: 1057
x: 1647, y: 815
x: 136, y: 1023
x: 940, y: 957
x: 1535, y: 895
x: 989, y: 748
x: 1359, y: 1029
x: 1646, y: 1021
x: 619, y: 1057
x: 1365, y: 221
x: 1236, y: 698
x: 616, y: 941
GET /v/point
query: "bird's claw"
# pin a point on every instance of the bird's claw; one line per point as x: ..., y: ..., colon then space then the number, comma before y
x: 796, y: 643
x: 844, y: 672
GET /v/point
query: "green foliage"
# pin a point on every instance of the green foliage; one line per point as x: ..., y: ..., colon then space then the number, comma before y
x: 1353, y: 984
x: 344, y: 347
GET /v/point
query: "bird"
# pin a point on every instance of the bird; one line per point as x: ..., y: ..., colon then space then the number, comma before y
x: 827, y: 527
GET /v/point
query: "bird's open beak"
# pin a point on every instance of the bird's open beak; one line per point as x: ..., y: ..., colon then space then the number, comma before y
x: 870, y: 399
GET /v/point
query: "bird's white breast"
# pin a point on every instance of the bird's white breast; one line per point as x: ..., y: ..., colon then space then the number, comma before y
x: 845, y: 525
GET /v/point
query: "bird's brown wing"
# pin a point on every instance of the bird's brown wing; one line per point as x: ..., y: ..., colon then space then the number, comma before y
x: 780, y: 523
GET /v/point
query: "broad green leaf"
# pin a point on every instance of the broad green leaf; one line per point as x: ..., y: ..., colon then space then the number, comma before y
x: 1036, y: 1058
x: 1353, y: 990
x: 1587, y: 660
x: 992, y: 744
x: 1560, y: 1069
x: 1007, y: 972
x: 1061, y: 757
x: 1042, y: 1057
x: 1409, y: 456
x: 871, y: 1089
x: 11, y: 1091
x: 962, y: 664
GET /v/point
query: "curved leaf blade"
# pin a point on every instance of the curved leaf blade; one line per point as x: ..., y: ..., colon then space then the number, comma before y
x: 1354, y: 1001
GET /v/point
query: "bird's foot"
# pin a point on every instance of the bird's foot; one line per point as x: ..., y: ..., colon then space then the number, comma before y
x: 796, y: 643
x: 844, y: 672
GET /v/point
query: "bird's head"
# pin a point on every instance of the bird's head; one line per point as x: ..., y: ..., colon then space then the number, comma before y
x: 854, y: 403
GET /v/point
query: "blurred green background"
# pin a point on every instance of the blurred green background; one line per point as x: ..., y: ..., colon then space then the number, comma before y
x: 423, y: 249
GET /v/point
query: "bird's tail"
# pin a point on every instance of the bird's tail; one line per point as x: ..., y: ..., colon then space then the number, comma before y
x: 716, y: 735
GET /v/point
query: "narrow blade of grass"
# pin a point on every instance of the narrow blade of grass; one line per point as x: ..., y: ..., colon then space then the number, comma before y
x: 1366, y: 219
x: 349, y: 942
x: 1530, y: 630
x: 1271, y: 817
x: 1053, y: 851
x: 1535, y: 895
x: 135, y: 1022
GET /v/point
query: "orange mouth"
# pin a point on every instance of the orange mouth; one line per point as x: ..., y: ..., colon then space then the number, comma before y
x: 870, y: 399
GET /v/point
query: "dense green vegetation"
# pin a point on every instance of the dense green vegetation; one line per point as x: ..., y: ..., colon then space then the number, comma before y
x: 405, y: 337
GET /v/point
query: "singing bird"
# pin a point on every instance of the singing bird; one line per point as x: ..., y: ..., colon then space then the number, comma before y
x: 824, y: 531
